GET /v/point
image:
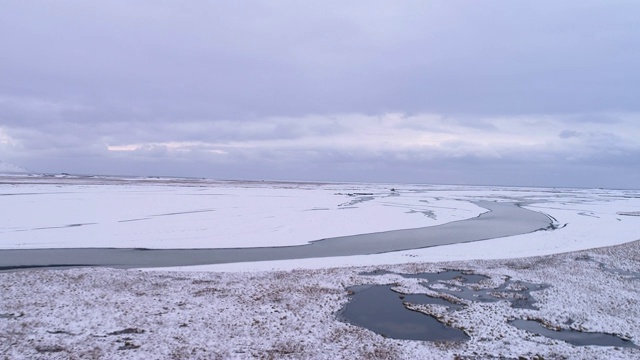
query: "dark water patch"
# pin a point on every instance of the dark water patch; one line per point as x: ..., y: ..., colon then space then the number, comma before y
x: 503, y: 219
x: 423, y: 299
x: 382, y: 310
x: 518, y: 293
x: 456, y: 283
x: 578, y: 338
x: 459, y: 275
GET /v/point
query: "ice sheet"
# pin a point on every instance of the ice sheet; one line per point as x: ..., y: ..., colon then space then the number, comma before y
x: 212, y: 216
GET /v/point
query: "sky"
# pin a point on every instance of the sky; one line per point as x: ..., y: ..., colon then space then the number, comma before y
x: 537, y: 93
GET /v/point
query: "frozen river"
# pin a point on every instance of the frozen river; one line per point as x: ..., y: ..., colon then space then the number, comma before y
x: 241, y: 225
x: 502, y: 219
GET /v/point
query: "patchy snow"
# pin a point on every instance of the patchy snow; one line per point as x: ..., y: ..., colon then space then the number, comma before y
x: 132, y: 314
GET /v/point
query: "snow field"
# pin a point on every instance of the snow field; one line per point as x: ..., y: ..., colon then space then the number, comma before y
x: 289, y: 309
x: 219, y: 216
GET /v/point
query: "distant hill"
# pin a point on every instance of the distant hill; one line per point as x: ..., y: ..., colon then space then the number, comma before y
x: 6, y: 168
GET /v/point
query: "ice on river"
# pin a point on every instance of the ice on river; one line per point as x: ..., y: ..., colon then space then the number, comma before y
x: 131, y: 314
x: 210, y: 215
x: 70, y: 212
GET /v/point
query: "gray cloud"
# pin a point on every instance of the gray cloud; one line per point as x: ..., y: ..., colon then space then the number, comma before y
x: 415, y: 91
x: 568, y: 134
x: 234, y: 60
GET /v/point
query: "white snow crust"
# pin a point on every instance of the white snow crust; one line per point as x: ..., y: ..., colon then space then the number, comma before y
x: 209, y: 215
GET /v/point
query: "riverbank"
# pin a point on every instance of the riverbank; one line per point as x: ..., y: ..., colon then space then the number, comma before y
x: 501, y: 219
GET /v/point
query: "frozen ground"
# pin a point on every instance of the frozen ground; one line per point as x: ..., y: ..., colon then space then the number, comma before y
x: 254, y: 310
x: 131, y: 314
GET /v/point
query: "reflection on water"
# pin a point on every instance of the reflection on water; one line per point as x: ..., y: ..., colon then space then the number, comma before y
x: 381, y: 310
x: 573, y: 337
x: 455, y: 283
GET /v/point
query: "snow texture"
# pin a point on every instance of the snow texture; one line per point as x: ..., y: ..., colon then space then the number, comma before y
x: 209, y: 215
x: 290, y: 309
x: 132, y: 314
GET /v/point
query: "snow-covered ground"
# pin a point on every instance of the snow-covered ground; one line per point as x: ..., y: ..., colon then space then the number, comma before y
x: 72, y: 212
x: 132, y: 314
x: 174, y: 215
x: 586, y: 218
x: 228, y: 311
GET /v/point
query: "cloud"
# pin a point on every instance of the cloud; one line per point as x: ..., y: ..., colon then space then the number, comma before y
x: 232, y: 60
x: 420, y: 91
x: 567, y: 134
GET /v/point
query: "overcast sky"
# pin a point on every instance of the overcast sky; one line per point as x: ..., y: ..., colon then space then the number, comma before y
x: 461, y: 92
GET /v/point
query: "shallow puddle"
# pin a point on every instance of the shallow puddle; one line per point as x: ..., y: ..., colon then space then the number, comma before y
x: 463, y: 276
x: 456, y: 283
x: 573, y: 337
x: 382, y: 310
x: 518, y: 293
